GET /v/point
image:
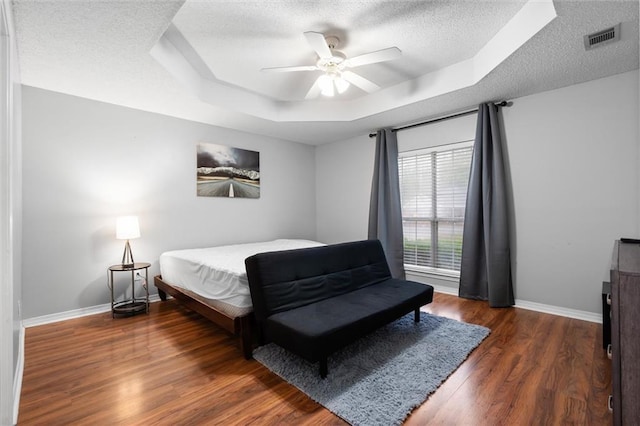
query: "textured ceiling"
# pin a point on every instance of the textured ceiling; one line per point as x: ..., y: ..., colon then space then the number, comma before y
x: 249, y: 36
x: 101, y: 50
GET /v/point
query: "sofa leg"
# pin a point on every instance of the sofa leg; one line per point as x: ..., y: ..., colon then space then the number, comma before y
x: 323, y: 368
x: 416, y: 315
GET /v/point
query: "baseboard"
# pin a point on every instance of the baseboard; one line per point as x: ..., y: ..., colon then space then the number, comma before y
x: 559, y: 310
x: 523, y: 304
x: 75, y: 313
x: 17, y: 378
x: 444, y: 289
x: 538, y: 307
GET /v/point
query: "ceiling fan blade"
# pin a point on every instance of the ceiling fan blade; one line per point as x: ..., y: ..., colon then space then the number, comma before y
x: 360, y: 82
x: 318, y: 43
x: 373, y: 57
x: 290, y: 69
x: 314, y: 92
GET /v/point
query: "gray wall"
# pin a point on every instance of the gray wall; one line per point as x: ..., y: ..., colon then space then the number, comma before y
x: 574, y: 166
x: 86, y: 162
x: 573, y: 162
x: 344, y: 171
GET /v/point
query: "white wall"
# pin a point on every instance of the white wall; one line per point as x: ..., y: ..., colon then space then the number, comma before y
x: 16, y: 223
x: 573, y: 162
x: 86, y: 162
x: 10, y: 219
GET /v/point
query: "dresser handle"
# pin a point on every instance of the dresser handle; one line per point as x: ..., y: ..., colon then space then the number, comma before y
x: 608, y: 298
x: 609, y: 351
x: 610, y: 403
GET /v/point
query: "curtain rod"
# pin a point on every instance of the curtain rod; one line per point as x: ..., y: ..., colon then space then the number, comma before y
x: 447, y: 117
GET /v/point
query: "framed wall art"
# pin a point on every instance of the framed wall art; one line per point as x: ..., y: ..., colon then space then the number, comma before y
x: 228, y: 172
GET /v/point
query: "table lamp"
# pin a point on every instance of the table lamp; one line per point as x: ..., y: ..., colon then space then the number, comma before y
x: 127, y: 227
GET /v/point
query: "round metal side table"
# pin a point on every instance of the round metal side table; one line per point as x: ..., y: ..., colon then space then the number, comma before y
x: 132, y: 305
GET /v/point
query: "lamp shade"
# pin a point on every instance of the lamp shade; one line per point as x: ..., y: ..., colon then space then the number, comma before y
x: 341, y: 84
x: 127, y: 227
x: 325, y: 82
x: 330, y: 82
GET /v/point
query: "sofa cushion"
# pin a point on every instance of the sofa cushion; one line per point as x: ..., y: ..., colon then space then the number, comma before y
x: 315, y: 330
x: 285, y: 280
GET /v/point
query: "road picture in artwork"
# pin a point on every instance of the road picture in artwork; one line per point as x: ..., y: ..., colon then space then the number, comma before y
x: 227, y: 172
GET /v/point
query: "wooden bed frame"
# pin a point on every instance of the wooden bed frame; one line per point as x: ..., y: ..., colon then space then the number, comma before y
x: 238, y: 326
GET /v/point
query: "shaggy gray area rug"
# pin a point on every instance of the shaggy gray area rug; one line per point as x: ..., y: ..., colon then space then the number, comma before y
x: 381, y: 378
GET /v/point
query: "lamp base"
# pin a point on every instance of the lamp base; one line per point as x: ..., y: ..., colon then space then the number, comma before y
x: 127, y: 256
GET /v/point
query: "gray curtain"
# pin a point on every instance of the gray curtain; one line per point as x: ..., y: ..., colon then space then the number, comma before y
x: 385, y: 217
x: 485, y: 271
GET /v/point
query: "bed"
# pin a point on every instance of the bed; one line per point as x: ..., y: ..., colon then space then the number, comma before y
x: 213, y: 282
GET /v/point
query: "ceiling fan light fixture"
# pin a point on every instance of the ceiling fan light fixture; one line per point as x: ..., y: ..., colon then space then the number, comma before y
x: 335, y: 67
x: 325, y: 82
x: 330, y: 83
x: 341, y: 84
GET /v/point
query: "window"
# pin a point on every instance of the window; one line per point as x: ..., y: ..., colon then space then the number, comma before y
x: 433, y: 192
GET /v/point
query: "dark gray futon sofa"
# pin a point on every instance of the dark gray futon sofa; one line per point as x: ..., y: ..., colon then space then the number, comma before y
x: 315, y: 301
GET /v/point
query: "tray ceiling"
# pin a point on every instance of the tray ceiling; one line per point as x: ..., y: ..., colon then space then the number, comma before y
x: 201, y: 60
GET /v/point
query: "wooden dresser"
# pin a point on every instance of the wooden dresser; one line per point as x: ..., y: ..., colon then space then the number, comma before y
x: 625, y: 333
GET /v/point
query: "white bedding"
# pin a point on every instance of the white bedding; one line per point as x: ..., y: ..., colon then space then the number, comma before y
x: 219, y: 273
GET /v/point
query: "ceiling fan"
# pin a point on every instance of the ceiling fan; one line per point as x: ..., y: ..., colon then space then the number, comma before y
x: 335, y: 66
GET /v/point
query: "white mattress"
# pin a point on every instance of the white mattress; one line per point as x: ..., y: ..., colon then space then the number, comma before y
x: 218, y: 273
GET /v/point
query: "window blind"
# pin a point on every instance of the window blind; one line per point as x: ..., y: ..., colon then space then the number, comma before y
x: 433, y: 191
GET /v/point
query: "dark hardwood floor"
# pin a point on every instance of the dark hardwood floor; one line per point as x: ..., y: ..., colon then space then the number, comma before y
x: 174, y: 367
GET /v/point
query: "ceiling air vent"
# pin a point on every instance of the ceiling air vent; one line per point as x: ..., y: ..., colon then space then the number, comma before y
x: 602, y: 37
